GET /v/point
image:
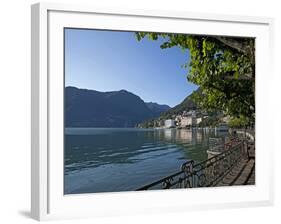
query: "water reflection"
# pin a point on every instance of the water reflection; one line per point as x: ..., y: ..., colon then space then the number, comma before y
x: 140, y: 153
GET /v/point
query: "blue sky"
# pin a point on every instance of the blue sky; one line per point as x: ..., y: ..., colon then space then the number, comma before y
x: 113, y: 60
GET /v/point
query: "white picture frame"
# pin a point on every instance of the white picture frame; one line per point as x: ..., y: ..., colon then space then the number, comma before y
x: 48, y: 201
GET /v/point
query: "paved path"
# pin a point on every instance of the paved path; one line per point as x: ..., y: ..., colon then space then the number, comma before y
x: 243, y: 173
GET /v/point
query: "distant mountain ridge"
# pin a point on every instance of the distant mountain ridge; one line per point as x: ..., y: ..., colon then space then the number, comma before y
x: 156, y: 108
x: 90, y: 108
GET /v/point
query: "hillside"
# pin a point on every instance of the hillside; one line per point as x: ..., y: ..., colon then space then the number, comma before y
x: 186, y: 105
x: 157, y: 109
x: 90, y: 108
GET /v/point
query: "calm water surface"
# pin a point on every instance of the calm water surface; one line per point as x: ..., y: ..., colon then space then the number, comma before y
x: 122, y: 159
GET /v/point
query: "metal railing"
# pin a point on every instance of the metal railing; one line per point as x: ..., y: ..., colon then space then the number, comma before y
x: 203, y: 174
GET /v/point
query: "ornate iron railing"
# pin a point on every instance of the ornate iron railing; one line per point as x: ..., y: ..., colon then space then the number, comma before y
x: 206, y: 173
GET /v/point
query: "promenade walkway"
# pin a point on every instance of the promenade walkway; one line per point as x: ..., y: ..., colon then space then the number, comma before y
x: 242, y: 174
x: 244, y: 171
x: 234, y: 166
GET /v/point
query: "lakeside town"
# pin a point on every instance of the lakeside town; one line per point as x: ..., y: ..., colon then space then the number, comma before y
x: 189, y: 119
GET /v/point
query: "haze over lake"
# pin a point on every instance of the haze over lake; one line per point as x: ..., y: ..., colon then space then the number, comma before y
x: 123, y: 159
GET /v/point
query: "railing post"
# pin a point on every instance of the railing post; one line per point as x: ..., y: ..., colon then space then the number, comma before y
x: 187, y: 168
x: 245, y: 149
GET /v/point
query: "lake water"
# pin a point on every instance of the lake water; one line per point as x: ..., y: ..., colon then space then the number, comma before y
x: 123, y: 159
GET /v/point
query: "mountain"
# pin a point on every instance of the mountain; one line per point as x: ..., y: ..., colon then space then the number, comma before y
x: 210, y: 118
x: 157, y: 109
x: 186, y: 105
x: 90, y: 108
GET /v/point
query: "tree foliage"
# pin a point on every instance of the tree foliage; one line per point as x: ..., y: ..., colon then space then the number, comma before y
x: 223, y: 68
x: 241, y: 122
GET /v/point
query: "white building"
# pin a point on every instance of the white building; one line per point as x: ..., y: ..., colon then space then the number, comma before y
x: 188, y: 121
x: 198, y: 120
x: 169, y: 123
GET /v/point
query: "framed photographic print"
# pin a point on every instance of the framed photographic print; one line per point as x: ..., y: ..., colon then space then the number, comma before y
x: 147, y: 111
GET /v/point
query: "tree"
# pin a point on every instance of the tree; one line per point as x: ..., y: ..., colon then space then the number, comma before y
x: 223, y: 68
x: 241, y: 122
